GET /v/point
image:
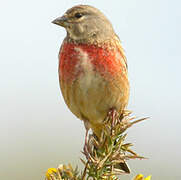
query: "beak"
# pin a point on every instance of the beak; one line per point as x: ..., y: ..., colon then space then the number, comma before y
x: 61, y: 21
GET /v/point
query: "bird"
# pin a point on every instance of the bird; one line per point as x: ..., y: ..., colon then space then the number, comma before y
x: 93, y: 74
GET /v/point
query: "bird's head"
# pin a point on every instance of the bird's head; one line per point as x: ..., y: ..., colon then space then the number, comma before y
x: 85, y: 23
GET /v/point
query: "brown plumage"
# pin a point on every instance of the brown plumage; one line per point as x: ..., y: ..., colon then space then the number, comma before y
x: 92, y: 66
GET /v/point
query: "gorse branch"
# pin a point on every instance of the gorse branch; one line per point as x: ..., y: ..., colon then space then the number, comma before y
x: 106, y: 156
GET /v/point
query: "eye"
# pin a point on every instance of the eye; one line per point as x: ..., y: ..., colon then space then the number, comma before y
x: 78, y: 15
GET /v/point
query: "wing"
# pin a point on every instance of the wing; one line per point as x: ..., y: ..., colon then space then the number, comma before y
x: 119, y: 46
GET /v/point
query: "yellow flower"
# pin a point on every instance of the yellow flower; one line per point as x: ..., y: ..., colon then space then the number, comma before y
x: 140, y: 177
x: 50, y: 172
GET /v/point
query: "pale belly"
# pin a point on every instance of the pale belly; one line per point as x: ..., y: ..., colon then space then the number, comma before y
x: 90, y: 97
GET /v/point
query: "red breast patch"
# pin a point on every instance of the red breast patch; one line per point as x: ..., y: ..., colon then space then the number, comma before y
x: 106, y: 62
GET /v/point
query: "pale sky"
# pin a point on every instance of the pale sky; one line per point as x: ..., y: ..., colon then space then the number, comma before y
x: 37, y: 131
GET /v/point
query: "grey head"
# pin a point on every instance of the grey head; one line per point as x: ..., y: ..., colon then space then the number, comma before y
x: 85, y: 23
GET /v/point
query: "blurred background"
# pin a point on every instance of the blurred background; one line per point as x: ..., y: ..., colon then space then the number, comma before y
x: 37, y: 131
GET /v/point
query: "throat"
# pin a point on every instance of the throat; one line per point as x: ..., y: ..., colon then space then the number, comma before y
x: 89, y: 39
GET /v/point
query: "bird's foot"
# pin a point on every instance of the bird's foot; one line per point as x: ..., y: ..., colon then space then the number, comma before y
x: 86, y: 144
x: 113, y: 114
